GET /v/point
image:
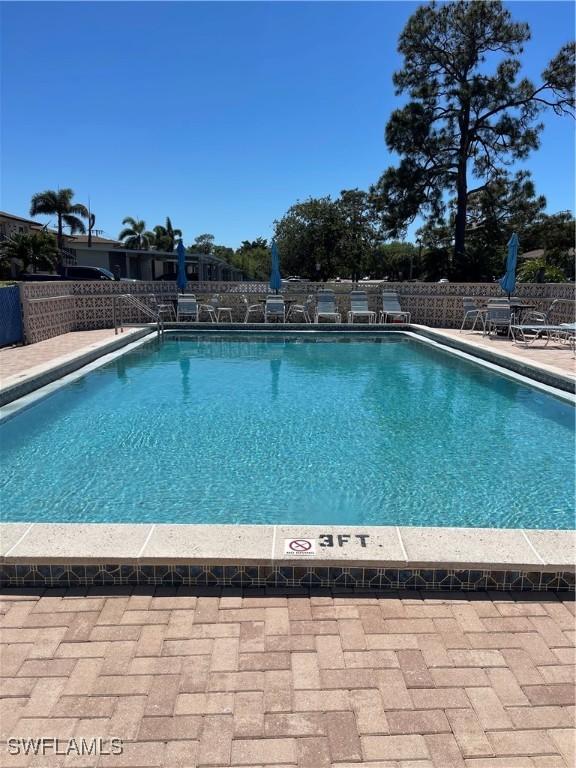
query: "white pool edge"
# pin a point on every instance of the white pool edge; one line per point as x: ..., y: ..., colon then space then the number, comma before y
x: 486, y: 549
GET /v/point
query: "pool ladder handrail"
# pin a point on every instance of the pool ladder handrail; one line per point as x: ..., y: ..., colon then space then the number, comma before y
x: 118, y: 317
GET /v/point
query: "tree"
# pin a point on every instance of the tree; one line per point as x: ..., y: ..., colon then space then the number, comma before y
x: 202, y: 244
x: 396, y: 261
x: 555, y: 234
x: 59, y: 203
x: 538, y: 271
x: 134, y: 235
x: 165, y: 236
x: 462, y: 121
x: 223, y: 252
x: 308, y: 237
x: 253, y: 258
x: 249, y: 245
x: 91, y: 222
x: 505, y: 205
x: 359, y: 233
x: 33, y: 249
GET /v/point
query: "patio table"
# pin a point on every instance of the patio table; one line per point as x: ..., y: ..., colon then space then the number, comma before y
x: 519, y: 308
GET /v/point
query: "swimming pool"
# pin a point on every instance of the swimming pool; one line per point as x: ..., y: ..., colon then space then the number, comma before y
x: 239, y: 428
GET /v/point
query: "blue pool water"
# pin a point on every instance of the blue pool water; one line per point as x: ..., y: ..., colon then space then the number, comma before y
x: 292, y: 429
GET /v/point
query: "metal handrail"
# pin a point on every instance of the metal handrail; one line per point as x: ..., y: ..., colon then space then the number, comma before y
x: 118, y: 317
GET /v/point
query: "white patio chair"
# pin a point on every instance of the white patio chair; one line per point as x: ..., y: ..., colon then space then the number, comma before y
x: 359, y: 307
x: 391, y: 309
x: 251, y: 309
x: 187, y: 306
x: 326, y: 307
x: 209, y: 310
x: 274, y: 309
x: 301, y: 309
x: 221, y: 312
x: 473, y: 313
x: 498, y: 317
x: 164, y: 309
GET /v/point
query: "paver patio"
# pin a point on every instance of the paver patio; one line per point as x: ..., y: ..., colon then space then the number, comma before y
x: 201, y: 678
x: 23, y: 359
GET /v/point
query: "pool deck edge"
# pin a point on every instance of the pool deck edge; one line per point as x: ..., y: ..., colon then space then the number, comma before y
x: 407, y: 549
x: 21, y: 384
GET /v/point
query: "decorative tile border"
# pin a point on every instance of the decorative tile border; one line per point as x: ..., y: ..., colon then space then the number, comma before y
x: 53, y: 308
x: 287, y: 576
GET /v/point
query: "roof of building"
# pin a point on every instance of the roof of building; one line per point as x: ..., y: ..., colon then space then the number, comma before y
x: 95, y: 240
x: 538, y: 253
x: 5, y: 215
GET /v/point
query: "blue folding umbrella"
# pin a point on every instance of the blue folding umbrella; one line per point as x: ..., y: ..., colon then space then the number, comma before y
x: 508, y: 282
x: 275, y: 279
x: 181, y: 280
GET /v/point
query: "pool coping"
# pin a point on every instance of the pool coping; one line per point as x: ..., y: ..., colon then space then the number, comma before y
x: 50, y: 554
x: 46, y: 554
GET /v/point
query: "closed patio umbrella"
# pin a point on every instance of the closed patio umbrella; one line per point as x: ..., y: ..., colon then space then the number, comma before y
x: 181, y: 280
x: 508, y: 282
x: 275, y: 279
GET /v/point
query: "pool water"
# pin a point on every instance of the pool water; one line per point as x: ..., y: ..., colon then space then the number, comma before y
x: 292, y: 429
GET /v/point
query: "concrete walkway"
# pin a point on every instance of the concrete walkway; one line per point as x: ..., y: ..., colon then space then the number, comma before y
x: 483, y: 680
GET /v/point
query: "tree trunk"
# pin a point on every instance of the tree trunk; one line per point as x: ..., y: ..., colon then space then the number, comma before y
x: 59, y: 238
x: 462, y: 184
x: 461, y: 210
x: 59, y: 231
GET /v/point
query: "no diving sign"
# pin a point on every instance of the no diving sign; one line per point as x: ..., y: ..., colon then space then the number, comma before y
x: 300, y: 547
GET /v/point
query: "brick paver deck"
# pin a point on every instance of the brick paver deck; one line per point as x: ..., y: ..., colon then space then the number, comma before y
x: 224, y: 679
x: 555, y: 355
x: 15, y: 360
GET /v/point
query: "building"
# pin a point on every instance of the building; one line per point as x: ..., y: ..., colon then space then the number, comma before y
x: 125, y: 262
x: 147, y: 265
x: 16, y: 225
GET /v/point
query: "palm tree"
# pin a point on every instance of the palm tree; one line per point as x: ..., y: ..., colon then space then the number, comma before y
x: 32, y: 249
x: 91, y: 222
x: 165, y: 237
x: 59, y: 203
x: 135, y: 235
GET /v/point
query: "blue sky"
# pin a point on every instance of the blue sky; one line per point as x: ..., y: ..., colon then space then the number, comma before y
x: 220, y: 115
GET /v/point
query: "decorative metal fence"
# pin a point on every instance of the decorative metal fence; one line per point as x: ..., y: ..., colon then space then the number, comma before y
x: 11, y: 330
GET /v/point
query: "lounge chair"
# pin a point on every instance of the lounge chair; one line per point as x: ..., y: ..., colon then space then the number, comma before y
x: 473, y: 313
x: 187, y: 306
x: 525, y: 334
x: 359, y: 307
x: 391, y: 309
x: 326, y: 307
x: 274, y: 309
